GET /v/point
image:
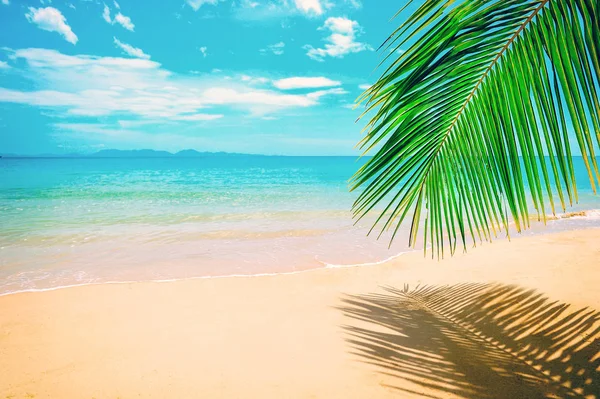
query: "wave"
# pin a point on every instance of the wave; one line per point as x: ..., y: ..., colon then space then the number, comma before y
x: 338, y: 266
x: 591, y: 214
x: 326, y: 264
x: 60, y: 287
x: 170, y: 280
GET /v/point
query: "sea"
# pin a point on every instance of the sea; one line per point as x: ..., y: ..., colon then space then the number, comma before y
x: 75, y: 221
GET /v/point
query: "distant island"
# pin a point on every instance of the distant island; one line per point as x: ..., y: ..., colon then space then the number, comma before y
x: 133, y: 154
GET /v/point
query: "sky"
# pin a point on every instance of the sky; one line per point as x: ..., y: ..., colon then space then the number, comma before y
x: 251, y: 76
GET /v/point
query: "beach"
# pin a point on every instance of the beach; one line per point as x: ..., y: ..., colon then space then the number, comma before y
x: 300, y: 199
x: 509, y: 319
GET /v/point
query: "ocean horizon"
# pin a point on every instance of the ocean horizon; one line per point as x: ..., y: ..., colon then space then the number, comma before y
x: 73, y: 221
x: 152, y: 153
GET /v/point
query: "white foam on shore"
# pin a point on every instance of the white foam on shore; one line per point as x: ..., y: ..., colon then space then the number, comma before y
x: 591, y: 214
x: 325, y: 264
x: 339, y: 266
x: 29, y: 290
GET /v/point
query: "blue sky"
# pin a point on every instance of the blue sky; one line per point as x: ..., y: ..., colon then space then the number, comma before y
x: 253, y: 76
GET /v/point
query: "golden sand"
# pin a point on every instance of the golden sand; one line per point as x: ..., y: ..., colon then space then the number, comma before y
x: 506, y: 320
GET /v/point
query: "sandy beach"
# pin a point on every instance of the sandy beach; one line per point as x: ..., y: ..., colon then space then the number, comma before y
x: 506, y: 320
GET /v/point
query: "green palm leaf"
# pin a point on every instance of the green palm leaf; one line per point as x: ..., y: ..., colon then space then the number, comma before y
x: 464, y: 118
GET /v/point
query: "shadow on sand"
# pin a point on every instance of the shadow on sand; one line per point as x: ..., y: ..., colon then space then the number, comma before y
x: 477, y: 341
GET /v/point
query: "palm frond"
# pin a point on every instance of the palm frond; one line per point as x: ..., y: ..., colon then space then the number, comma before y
x: 464, y: 119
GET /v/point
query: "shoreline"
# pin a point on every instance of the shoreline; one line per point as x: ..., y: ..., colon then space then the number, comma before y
x: 531, y: 232
x: 290, y: 335
x: 161, y: 281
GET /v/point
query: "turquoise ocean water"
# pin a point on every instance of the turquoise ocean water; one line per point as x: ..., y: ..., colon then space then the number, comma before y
x: 78, y: 221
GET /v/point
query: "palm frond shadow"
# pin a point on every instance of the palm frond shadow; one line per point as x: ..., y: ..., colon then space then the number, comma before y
x: 477, y: 341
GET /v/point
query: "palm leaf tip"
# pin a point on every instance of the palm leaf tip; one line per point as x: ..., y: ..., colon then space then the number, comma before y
x: 471, y: 126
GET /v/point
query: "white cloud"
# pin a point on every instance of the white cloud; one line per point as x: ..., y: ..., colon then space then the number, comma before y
x: 4, y: 65
x: 5, y: 2
x: 254, y: 80
x: 120, y: 19
x: 50, y: 19
x: 276, y: 48
x: 198, y: 117
x: 117, y: 6
x: 354, y: 3
x: 91, y: 86
x: 106, y: 14
x: 124, y: 21
x: 261, y: 10
x: 321, y: 93
x: 130, y: 50
x: 127, y: 123
x: 364, y: 86
x: 203, y: 50
x: 342, y: 40
x: 305, y: 83
x: 250, y: 3
x: 258, y: 98
x: 196, y: 4
x: 309, y: 6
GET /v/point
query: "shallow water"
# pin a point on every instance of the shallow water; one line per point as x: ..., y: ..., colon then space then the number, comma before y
x: 78, y: 221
